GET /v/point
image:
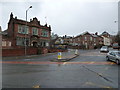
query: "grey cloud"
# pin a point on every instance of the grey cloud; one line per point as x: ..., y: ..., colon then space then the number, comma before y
x: 67, y: 17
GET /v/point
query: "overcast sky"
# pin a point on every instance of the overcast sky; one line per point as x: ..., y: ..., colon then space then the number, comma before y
x: 66, y: 17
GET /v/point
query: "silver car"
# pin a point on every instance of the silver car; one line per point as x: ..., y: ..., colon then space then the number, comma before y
x: 104, y: 49
x: 113, y: 56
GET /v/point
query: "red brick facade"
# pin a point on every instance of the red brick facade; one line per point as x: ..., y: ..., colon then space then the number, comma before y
x: 87, y: 40
x: 6, y: 42
x: 22, y: 34
x: 82, y: 41
x: 32, y: 32
x: 19, y: 52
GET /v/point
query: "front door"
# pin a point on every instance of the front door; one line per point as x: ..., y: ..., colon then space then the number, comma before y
x: 35, y: 44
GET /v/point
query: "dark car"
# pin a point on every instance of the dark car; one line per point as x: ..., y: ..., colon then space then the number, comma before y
x: 104, y: 49
x: 113, y: 56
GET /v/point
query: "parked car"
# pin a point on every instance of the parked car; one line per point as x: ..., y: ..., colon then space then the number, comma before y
x: 113, y: 56
x: 115, y: 46
x: 104, y: 49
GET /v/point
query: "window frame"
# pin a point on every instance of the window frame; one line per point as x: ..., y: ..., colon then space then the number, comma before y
x: 34, y: 31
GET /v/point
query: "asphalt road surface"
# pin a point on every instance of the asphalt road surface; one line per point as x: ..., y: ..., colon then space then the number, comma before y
x: 89, y: 70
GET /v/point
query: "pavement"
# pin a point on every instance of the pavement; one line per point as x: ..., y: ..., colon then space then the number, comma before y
x: 65, y: 56
x: 89, y: 70
x: 26, y: 57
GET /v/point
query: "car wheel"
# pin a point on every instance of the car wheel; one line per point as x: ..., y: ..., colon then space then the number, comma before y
x: 117, y: 62
x: 107, y: 58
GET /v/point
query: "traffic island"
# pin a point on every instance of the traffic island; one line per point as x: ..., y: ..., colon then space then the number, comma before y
x: 64, y: 59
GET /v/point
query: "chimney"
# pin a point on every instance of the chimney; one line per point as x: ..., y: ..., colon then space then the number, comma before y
x: 15, y: 17
x: 96, y: 33
x: 39, y: 22
x: 11, y: 15
x: 30, y: 20
x: 0, y: 29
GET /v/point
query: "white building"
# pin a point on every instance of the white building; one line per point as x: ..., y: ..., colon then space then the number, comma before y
x: 107, y: 40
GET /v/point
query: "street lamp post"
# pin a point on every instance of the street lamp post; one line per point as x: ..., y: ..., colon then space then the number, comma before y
x: 26, y: 28
x: 118, y: 34
x: 118, y: 27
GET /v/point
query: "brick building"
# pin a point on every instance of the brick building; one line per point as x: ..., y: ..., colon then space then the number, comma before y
x: 30, y: 34
x: 34, y: 33
x: 87, y: 40
x: 68, y: 40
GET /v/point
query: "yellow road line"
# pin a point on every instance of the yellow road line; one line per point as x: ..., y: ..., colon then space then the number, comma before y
x: 93, y: 84
x: 32, y: 62
x: 64, y: 63
x: 91, y: 62
x: 36, y: 86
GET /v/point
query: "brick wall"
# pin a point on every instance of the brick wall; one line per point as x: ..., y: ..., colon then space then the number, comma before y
x: 56, y: 50
x: 19, y: 52
x: 42, y: 50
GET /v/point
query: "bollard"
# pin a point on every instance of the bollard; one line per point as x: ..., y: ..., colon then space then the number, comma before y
x: 59, y: 55
x: 76, y: 52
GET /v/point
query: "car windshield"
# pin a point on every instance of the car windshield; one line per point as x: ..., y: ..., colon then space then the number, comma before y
x: 104, y: 47
x: 116, y: 44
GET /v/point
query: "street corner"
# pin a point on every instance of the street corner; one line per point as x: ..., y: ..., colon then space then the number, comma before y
x: 64, y: 59
x: 58, y: 60
x: 76, y: 55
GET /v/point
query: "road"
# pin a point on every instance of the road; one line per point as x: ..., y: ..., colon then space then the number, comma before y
x: 89, y: 70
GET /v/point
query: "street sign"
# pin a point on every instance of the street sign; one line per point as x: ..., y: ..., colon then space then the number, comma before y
x: 59, y: 55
